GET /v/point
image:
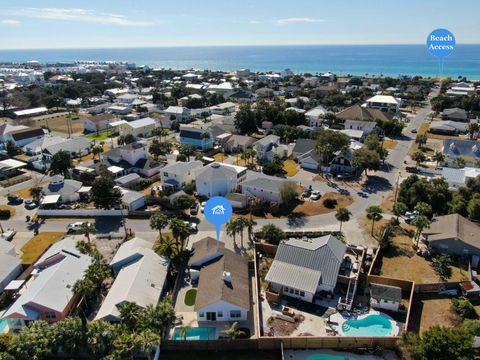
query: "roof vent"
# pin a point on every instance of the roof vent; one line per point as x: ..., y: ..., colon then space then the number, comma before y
x: 452, y: 146
x: 227, y: 277
x: 475, y: 149
x: 215, y: 165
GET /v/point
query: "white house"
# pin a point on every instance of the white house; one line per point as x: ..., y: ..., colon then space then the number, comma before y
x: 315, y: 116
x: 385, y: 297
x: 223, y: 108
x: 140, y: 280
x: 67, y: 189
x: 223, y: 292
x: 269, y: 146
x: 98, y: 123
x: 180, y: 113
x: 138, y: 128
x: 458, y: 177
x: 302, y: 268
x: 218, y: 179
x: 180, y: 174
x: 266, y: 188
x: 10, y: 264
x: 25, y: 136
x: 36, y: 147
x: 385, y: 103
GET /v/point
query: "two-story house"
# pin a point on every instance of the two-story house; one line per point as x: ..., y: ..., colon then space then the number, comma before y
x: 218, y: 179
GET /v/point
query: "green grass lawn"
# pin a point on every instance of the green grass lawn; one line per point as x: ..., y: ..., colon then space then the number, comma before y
x: 190, y: 297
x: 99, y: 137
x: 37, y: 245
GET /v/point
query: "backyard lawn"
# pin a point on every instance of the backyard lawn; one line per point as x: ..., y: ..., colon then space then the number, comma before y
x: 310, y: 208
x: 102, y: 136
x: 428, y: 311
x: 190, y: 297
x: 37, y: 245
x: 290, y: 167
x: 220, y: 157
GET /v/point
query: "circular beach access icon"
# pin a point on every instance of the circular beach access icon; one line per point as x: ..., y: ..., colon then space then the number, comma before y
x: 218, y: 211
x: 440, y: 43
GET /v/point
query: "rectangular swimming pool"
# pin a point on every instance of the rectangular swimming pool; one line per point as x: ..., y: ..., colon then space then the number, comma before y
x: 199, y: 333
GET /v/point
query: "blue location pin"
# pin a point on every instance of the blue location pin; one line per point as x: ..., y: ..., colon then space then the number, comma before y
x: 218, y: 211
x: 440, y: 43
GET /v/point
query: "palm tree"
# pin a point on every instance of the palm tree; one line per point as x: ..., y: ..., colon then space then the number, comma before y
x: 418, y: 157
x: 232, y: 228
x: 97, y: 150
x: 148, y: 341
x: 232, y: 332
x: 36, y: 193
x: 420, y: 222
x: 159, y: 221
x: 205, y: 136
x: 374, y: 213
x: 459, y: 162
x: 86, y: 229
x: 180, y: 231
x: 250, y: 224
x: 342, y: 215
x: 84, y: 288
x: 166, y: 247
x: 439, y: 157
x: 472, y: 129
x: 241, y: 224
x: 129, y: 314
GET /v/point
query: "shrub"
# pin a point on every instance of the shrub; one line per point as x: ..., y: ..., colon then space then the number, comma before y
x: 464, y: 309
x: 329, y: 203
x: 4, y: 214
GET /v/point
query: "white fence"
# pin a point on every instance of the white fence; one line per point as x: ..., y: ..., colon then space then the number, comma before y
x: 81, y: 213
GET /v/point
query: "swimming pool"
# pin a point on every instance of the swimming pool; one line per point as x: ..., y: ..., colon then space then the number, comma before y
x: 200, y: 333
x: 329, y: 357
x: 371, y: 325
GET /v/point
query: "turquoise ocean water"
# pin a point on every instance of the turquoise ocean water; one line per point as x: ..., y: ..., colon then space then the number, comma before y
x: 389, y: 60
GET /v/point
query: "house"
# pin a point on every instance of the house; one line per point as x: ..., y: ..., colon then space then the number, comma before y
x: 385, y: 103
x: 455, y: 114
x: 357, y: 112
x: 141, y: 279
x: 10, y: 264
x: 25, y: 136
x: 448, y: 127
x: 238, y: 201
x: 238, y: 143
x: 49, y: 295
x: 303, y: 268
x: 128, y: 181
x: 454, y: 235
x: 223, y: 108
x: 178, y: 113
x: 132, y: 158
x: 138, y: 128
x: 468, y: 150
x: 342, y: 161
x: 265, y: 145
x: 36, y: 147
x: 128, y: 253
x: 459, y: 177
x: 303, y: 147
x: 310, y: 160
x: 77, y: 147
x: 367, y: 127
x: 265, y: 188
x: 132, y: 200
x: 66, y: 189
x: 223, y: 292
x: 6, y: 128
x: 119, y: 110
x: 98, y: 123
x: 179, y: 174
x: 242, y: 96
x: 385, y: 297
x: 201, y: 139
x: 126, y: 99
x: 218, y: 179
x: 315, y: 116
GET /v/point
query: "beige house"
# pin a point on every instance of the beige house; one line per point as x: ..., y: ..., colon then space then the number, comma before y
x: 137, y: 128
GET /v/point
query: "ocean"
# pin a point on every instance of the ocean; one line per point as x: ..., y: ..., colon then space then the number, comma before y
x: 388, y: 60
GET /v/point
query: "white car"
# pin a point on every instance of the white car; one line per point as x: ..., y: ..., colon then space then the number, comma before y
x: 76, y: 226
x: 202, y: 206
x: 315, y: 195
x: 193, y: 226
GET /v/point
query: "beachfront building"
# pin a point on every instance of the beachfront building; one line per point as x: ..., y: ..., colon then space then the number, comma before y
x: 385, y: 103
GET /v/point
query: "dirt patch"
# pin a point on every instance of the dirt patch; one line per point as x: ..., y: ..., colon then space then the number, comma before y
x: 60, y: 123
x: 264, y: 266
x: 283, y: 325
x: 390, y: 144
x: 387, y: 203
x: 430, y: 311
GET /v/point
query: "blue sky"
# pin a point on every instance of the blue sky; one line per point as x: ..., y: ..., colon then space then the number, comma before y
x: 120, y: 23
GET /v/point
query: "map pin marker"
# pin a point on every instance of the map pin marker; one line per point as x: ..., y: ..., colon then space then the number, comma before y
x: 218, y: 211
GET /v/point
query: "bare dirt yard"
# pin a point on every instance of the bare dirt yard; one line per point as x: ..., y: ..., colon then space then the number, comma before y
x: 430, y: 310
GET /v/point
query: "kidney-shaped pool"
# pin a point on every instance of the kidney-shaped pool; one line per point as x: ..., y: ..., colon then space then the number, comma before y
x: 371, y: 325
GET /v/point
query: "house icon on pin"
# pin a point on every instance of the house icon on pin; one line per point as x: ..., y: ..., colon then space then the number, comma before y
x: 218, y: 210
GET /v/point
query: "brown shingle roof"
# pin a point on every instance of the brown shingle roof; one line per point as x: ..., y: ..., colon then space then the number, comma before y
x: 27, y: 133
x: 204, y: 248
x: 212, y: 287
x: 101, y: 117
x: 356, y: 112
x: 454, y: 226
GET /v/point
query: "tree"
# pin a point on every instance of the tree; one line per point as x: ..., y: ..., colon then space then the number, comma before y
x: 129, y: 314
x: 35, y: 341
x: 36, y: 193
x: 274, y: 167
x: 157, y: 317
x: 272, y: 234
x: 69, y: 336
x: 342, y: 215
x: 231, y: 228
x: 249, y: 224
x: 420, y: 222
x: 157, y: 148
x: 147, y: 341
x: 126, y: 139
x: 329, y: 142
x: 473, y: 128
x: 421, y: 140
x: 159, y: 221
x: 184, y: 202
x: 473, y: 208
x: 464, y: 309
x: 96, y: 150
x: 373, y: 143
x: 374, y: 213
x: 400, y: 209
x: 11, y: 148
x: 439, y: 157
x: 365, y: 159
x: 442, y: 265
x: 186, y: 150
x: 232, y: 332
x: 248, y: 156
x: 100, y: 336
x: 288, y: 192
x: 61, y: 163
x: 86, y: 229
x: 105, y: 195
x: 424, y: 209
x: 245, y: 121
x: 419, y: 157
x: 459, y: 162
x: 180, y: 231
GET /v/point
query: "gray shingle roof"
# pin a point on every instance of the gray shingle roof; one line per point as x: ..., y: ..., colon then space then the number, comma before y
x: 386, y: 292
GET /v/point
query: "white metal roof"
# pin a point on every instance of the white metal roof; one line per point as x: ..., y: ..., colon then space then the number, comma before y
x: 50, y: 199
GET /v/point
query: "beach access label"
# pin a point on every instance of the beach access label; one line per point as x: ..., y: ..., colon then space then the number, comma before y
x: 440, y: 43
x: 218, y: 211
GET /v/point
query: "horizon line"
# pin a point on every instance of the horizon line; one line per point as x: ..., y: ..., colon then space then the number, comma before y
x: 213, y: 45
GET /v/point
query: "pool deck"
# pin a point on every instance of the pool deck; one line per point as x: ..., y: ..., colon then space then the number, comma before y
x: 338, y: 318
x: 305, y: 354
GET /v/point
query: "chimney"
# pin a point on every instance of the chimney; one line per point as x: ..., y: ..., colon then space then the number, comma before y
x: 227, y: 278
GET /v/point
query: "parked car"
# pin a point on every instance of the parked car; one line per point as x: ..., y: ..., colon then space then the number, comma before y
x: 8, y: 235
x: 413, y: 170
x: 14, y: 199
x: 202, y: 206
x: 30, y: 204
x: 193, y: 226
x: 73, y: 227
x: 414, y: 130
x: 194, y: 210
x: 409, y: 216
x: 315, y: 195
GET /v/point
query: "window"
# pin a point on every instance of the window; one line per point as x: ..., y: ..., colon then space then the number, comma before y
x: 297, y: 292
x: 235, y: 314
x: 291, y: 291
x: 220, y: 314
x: 286, y: 289
x: 50, y: 315
x: 201, y: 314
x: 302, y: 293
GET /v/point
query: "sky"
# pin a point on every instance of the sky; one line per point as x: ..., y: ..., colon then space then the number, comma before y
x: 144, y: 23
